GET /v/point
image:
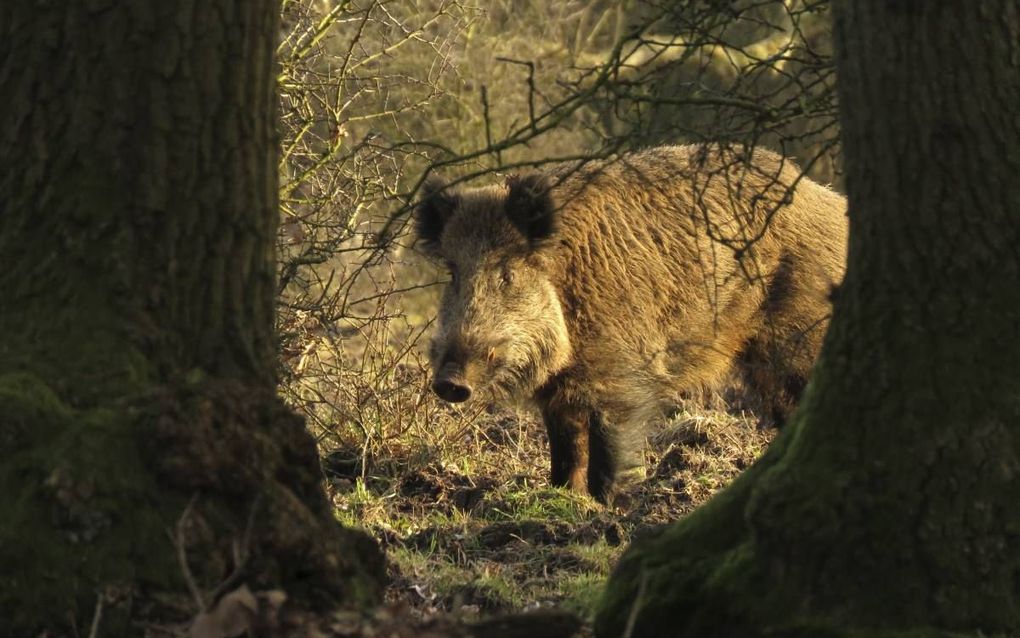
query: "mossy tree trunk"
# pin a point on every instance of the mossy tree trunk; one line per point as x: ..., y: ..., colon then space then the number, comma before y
x: 889, y: 505
x: 138, y: 208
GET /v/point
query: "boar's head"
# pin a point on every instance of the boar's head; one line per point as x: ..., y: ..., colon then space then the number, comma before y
x: 501, y: 327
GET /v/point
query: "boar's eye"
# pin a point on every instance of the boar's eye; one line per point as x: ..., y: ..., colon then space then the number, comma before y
x: 452, y: 267
x: 507, y: 276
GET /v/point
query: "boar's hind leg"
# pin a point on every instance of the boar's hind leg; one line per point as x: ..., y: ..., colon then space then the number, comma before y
x: 777, y: 384
x: 567, y: 426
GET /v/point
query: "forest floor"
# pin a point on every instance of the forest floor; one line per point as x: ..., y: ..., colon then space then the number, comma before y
x: 475, y: 531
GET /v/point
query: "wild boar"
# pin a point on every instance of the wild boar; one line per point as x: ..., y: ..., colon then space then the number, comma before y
x: 600, y: 291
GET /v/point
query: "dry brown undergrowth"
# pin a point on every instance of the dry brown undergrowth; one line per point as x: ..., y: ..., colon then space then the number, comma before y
x: 476, y: 529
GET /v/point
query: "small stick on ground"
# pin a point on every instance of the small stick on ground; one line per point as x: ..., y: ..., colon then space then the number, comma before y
x: 97, y: 616
x: 177, y: 537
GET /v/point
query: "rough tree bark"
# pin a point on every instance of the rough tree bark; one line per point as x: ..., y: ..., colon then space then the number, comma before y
x: 138, y: 207
x: 889, y: 505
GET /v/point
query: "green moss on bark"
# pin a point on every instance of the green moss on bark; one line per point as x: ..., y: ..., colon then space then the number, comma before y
x: 87, y: 498
x: 76, y: 508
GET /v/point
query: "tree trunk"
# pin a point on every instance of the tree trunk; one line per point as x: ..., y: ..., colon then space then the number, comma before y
x: 890, y: 502
x: 138, y: 209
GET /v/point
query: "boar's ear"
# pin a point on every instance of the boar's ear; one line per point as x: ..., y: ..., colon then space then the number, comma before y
x: 529, y: 206
x: 435, y: 207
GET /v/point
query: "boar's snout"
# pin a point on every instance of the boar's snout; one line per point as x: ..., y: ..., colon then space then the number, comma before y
x: 451, y: 385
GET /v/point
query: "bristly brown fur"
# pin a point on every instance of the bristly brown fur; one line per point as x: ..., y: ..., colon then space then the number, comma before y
x: 601, y: 291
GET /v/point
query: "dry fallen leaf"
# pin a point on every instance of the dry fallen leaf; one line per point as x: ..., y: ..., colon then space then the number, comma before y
x: 238, y: 612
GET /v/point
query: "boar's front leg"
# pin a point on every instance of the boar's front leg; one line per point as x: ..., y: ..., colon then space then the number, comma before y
x: 585, y: 453
x: 568, y: 427
x: 604, y: 457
